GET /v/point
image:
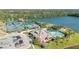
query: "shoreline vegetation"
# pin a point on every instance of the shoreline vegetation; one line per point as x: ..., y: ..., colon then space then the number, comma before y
x: 63, y: 43
x: 71, y: 39
x: 36, y: 14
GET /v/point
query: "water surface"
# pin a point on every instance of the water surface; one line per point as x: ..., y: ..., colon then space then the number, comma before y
x: 69, y: 22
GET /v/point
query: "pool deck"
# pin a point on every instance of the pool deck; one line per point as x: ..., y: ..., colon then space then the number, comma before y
x: 71, y: 42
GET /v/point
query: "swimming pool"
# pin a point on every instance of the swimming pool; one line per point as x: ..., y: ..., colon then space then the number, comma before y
x: 18, y: 26
x: 14, y: 26
x: 56, y: 34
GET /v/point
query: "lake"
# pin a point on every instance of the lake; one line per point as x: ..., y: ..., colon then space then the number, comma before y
x: 69, y: 22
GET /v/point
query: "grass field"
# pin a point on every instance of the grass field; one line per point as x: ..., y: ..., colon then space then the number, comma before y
x: 72, y: 40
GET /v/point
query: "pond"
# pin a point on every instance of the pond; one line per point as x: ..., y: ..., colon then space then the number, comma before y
x: 69, y: 22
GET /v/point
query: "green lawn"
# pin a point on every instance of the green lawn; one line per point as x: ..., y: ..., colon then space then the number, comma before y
x: 72, y: 40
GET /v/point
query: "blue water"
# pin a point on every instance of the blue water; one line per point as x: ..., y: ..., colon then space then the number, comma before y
x: 69, y: 22
x: 18, y: 26
x: 56, y: 34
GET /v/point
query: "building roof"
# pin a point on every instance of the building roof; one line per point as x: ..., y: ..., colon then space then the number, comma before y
x: 9, y: 41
